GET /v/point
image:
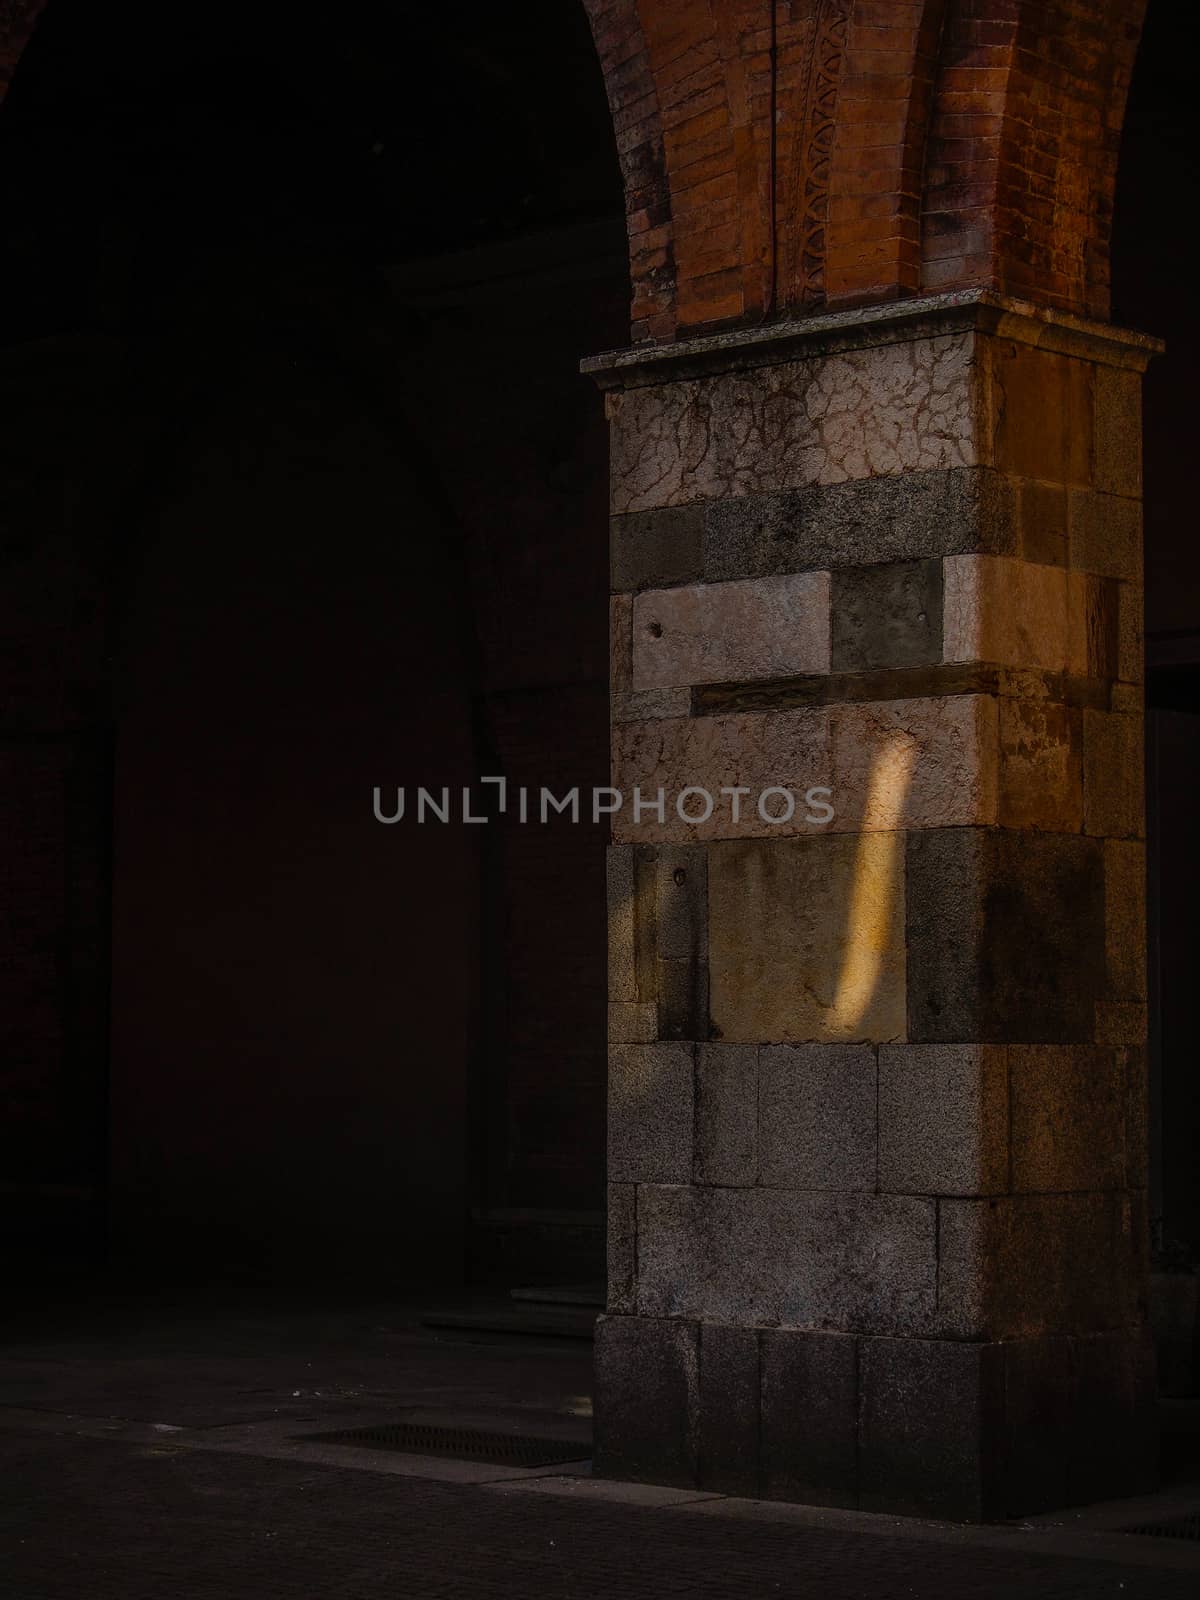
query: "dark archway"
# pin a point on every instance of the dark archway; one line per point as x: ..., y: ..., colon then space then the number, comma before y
x: 310, y: 496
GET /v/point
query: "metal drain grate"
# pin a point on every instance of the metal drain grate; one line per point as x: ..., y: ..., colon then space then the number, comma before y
x: 1186, y: 1527
x: 461, y: 1444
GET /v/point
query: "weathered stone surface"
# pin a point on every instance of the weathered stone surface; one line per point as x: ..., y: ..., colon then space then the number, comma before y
x: 931, y: 1417
x: 1118, y: 437
x: 1005, y: 935
x: 681, y: 941
x: 1042, y: 407
x: 806, y: 938
x: 620, y: 644
x: 928, y: 763
x: 650, y: 1110
x: 1043, y: 514
x: 1131, y: 612
x: 1068, y: 1117
x: 656, y: 548
x: 916, y: 515
x: 866, y: 413
x: 1041, y: 765
x: 622, y: 969
x: 943, y: 1119
x: 727, y: 632
x: 1120, y: 1022
x: 816, y: 1116
x: 622, y: 1247
x: 1037, y: 1264
x: 632, y: 1024
x: 756, y: 752
x: 726, y: 1114
x: 792, y: 1258
x: 1106, y: 535
x: 1114, y: 802
x: 1137, y: 1116
x: 1125, y: 918
x: 887, y: 615
x: 647, y: 1400
x: 1016, y: 613
x: 649, y: 705
x: 729, y: 1406
x: 810, y: 1417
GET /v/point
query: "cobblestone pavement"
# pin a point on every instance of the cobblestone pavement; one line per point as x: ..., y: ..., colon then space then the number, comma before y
x: 136, y: 1464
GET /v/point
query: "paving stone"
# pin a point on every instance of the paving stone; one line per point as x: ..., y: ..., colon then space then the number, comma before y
x: 816, y: 1116
x: 810, y: 1416
x: 943, y: 1119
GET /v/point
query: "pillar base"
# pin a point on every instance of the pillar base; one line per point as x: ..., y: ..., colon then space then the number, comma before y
x: 926, y: 1427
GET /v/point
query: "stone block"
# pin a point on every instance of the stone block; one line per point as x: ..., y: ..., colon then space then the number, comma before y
x: 647, y: 1400
x: 731, y: 632
x: 888, y: 615
x: 1131, y: 622
x: 726, y: 1114
x: 1041, y: 765
x: 1125, y: 918
x: 1012, y: 613
x: 931, y: 1414
x: 927, y: 763
x: 650, y: 1113
x: 620, y: 644
x: 873, y: 412
x: 1005, y: 935
x: 1137, y: 1116
x: 943, y: 1119
x: 1118, y: 437
x: 1038, y: 1264
x: 816, y: 1116
x: 622, y: 962
x: 729, y: 1408
x: 1043, y: 515
x: 1040, y: 1406
x: 753, y: 752
x: 1068, y: 1117
x: 916, y: 515
x: 653, y: 549
x: 790, y: 1258
x: 810, y: 1417
x: 681, y: 941
x: 651, y: 705
x: 1121, y: 1022
x: 632, y: 1024
x: 1114, y: 1440
x: 622, y: 1247
x: 806, y: 938
x: 1106, y: 535
x: 1114, y: 763
x: 1043, y: 413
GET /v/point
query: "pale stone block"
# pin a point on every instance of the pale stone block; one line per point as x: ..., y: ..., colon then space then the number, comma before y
x: 926, y: 763
x: 1125, y: 917
x: 752, y: 752
x: 816, y: 1116
x: 1068, y: 1117
x: 1041, y: 766
x: 650, y: 1113
x: 620, y: 644
x: 806, y: 938
x: 1114, y: 765
x: 751, y: 628
x: 869, y: 413
x: 650, y: 705
x: 788, y: 1258
x: 943, y: 1119
x: 1014, y: 613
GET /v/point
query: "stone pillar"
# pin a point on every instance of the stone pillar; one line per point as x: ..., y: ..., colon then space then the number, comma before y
x: 876, y: 1102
